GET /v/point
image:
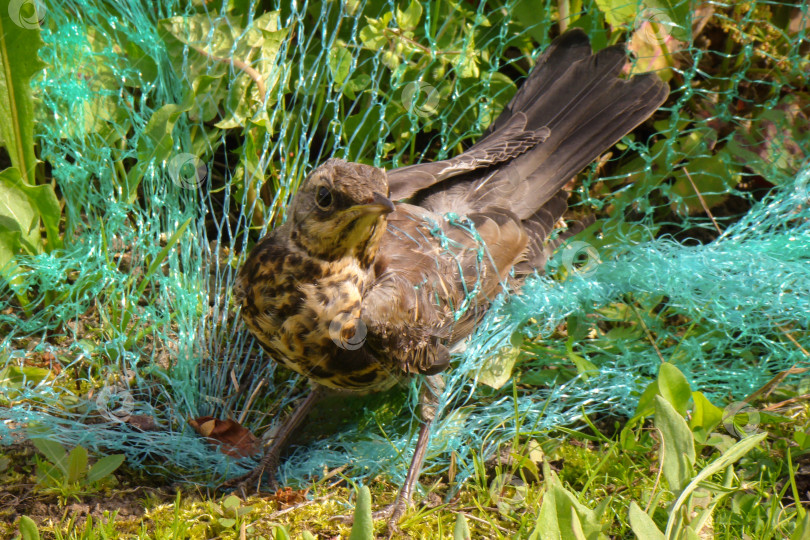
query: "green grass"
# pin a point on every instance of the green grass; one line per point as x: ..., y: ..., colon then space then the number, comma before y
x: 599, y: 471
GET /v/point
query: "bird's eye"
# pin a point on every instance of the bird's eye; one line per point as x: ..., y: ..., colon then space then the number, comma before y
x: 324, y: 197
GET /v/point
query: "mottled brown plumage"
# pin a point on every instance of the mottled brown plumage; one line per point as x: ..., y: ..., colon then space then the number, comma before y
x: 357, y: 292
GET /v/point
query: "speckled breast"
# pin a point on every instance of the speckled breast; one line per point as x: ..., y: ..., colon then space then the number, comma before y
x: 306, y: 313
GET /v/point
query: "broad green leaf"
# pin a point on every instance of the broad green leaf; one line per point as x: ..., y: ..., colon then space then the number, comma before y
x: 18, y: 214
x: 231, y: 502
x: 77, y: 464
x: 306, y: 535
x: 155, y: 145
x: 104, y: 467
x: 678, y: 445
x: 363, y: 528
x: 19, y: 61
x: 53, y: 452
x: 705, y: 417
x: 618, y: 12
x: 28, y: 529
x: 714, y: 177
x: 802, y: 531
x: 42, y: 199
x: 728, y: 457
x: 340, y: 62
x: 532, y: 15
x: 646, y: 403
x: 674, y: 15
x: 222, y: 48
x: 9, y: 247
x: 547, y: 526
x: 643, y: 526
x: 279, y: 533
x: 497, y: 370
x: 461, y: 531
x: 408, y: 19
x: 562, y: 515
x: 674, y: 387
x: 19, y: 375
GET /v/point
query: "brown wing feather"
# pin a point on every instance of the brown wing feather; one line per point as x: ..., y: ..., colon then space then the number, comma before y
x: 427, y: 272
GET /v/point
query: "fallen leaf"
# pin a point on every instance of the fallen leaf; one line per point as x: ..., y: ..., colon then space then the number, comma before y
x: 233, y: 439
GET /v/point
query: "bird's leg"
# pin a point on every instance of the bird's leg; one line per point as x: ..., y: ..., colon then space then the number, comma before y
x: 270, y: 460
x: 428, y: 401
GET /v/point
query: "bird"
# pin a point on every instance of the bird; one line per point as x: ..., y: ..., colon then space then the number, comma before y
x: 376, y: 275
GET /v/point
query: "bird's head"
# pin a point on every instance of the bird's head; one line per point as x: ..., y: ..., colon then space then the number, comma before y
x: 340, y: 210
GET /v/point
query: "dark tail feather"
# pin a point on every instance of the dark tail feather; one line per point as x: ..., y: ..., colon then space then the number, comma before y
x: 587, y: 108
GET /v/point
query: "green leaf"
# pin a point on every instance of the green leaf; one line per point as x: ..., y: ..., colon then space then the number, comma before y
x: 246, y: 57
x: 705, y: 417
x: 547, y: 526
x: 643, y: 526
x: 673, y: 387
x: 104, y: 467
x: 231, y: 502
x: 728, y: 457
x: 306, y: 535
x: 408, y: 19
x: 561, y: 515
x: 340, y: 63
x: 618, y: 12
x: 18, y: 214
x: 19, y: 61
x: 28, y: 529
x: 227, y: 522
x: 646, y: 403
x: 675, y: 15
x: 77, y: 464
x: 363, y: 528
x: 461, y: 531
x: 21, y: 208
x: 678, y: 445
x: 802, y: 531
x: 497, y: 370
x: 53, y: 452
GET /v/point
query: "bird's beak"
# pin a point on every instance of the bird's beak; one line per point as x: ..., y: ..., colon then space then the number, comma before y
x: 379, y: 204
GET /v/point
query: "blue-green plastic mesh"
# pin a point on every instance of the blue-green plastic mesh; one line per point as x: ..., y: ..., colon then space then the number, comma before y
x: 174, y: 134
